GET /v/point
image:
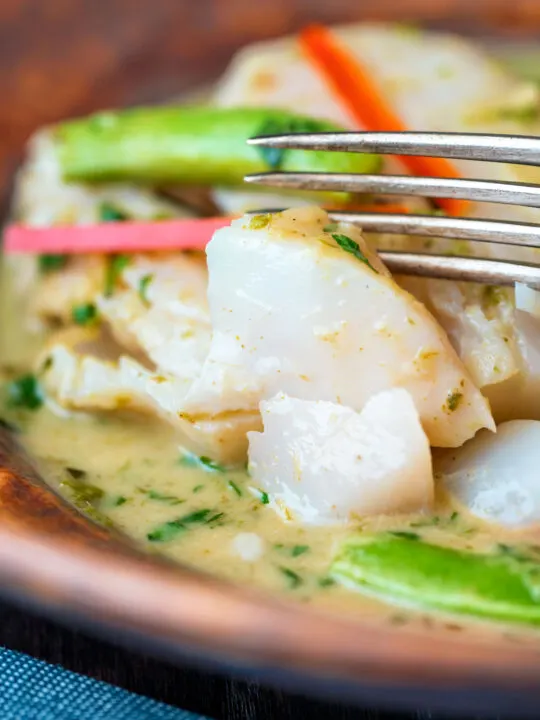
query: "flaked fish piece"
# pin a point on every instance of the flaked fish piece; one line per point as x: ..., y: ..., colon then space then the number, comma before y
x: 301, y: 306
x: 496, y: 476
x: 82, y: 373
x: 162, y: 311
x: 324, y: 463
x: 79, y: 282
x: 498, y: 342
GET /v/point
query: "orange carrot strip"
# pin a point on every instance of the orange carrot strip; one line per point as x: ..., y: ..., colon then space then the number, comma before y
x: 113, y: 237
x: 354, y: 87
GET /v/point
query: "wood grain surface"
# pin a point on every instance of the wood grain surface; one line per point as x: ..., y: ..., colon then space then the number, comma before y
x: 65, y: 57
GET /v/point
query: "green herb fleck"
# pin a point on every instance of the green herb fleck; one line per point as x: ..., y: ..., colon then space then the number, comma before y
x: 169, y: 530
x: 120, y: 500
x: 86, y: 498
x: 76, y: 473
x: 25, y: 392
x: 351, y: 246
x: 197, y: 516
x: 493, y: 295
x: 215, y: 519
x: 47, y: 364
x: 263, y: 496
x: 299, y: 550
x: 453, y: 400
x: 258, y: 222
x: 198, y: 488
x: 325, y: 582
x: 171, y: 499
x: 116, y: 263
x: 144, y: 282
x: 211, y: 465
x: 294, y: 580
x: 405, y: 534
x: 234, y: 487
x: 111, y: 213
x: 51, y: 263
x: 454, y: 516
x: 84, y: 314
x: 205, y: 463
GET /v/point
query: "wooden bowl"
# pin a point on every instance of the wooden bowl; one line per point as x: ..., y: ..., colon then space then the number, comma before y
x: 51, y: 557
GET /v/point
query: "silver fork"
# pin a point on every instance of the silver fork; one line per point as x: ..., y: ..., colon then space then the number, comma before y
x: 519, y: 150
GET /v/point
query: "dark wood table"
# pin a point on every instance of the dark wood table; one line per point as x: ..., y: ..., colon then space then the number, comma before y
x: 60, y: 58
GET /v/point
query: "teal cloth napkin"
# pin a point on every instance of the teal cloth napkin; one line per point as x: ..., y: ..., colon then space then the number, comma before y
x: 31, y: 689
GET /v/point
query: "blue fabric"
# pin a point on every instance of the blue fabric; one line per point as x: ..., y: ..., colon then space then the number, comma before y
x: 34, y: 690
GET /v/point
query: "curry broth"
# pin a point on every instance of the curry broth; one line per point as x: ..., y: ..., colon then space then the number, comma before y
x: 131, y: 473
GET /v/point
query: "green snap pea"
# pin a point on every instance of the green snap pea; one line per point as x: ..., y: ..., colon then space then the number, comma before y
x: 192, y: 145
x: 409, y: 571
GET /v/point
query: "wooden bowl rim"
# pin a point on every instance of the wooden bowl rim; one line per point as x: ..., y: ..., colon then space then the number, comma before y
x: 126, y: 590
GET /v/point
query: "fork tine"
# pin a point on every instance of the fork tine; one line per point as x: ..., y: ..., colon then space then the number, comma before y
x: 453, y: 228
x: 489, y: 231
x: 464, y: 269
x: 477, y: 190
x: 519, y: 149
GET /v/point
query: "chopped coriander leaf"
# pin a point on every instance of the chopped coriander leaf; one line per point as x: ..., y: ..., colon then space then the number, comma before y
x: 84, y: 314
x: 299, y: 550
x: 171, y: 499
x: 233, y: 486
x: 76, y: 473
x: 190, y: 460
x: 351, y: 246
x: 197, y: 516
x: 115, y: 265
x: 51, y: 263
x: 144, y: 282
x: 173, y: 528
x: 120, y: 500
x: 454, y: 516
x: 453, y: 401
x: 294, y: 580
x: 111, y: 213
x: 168, y: 531
x: 198, y: 488
x: 263, y: 496
x: 405, y: 534
x: 215, y: 519
x: 210, y: 464
x: 25, y: 392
